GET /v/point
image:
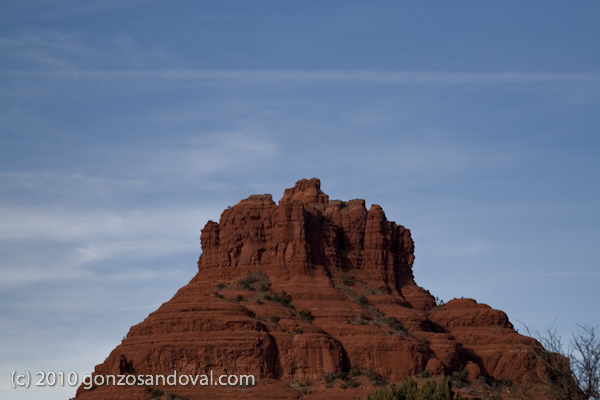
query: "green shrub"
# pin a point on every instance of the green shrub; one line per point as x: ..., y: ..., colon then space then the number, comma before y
x: 173, y: 396
x: 374, y: 377
x: 395, y: 324
x: 362, y: 300
x: 354, y: 372
x: 494, y: 396
x: 502, y: 382
x: 304, y: 387
x: 274, y: 319
x: 306, y: 315
x: 154, y: 393
x: 377, y: 313
x: 239, y: 298
x: 246, y: 283
x: 329, y: 377
x: 409, y: 390
x: 424, y: 374
x: 219, y: 295
x: 346, y: 280
x: 282, y: 298
x: 263, y: 287
x: 255, y: 280
x: 351, y: 383
x: 361, y: 320
x: 341, y: 375
x: 460, y: 378
x: 387, y: 393
x: 485, y: 380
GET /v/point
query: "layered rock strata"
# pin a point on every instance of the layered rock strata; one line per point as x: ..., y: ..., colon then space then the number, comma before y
x: 304, y: 291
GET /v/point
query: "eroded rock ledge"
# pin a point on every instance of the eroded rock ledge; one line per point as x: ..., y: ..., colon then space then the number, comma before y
x: 305, y: 289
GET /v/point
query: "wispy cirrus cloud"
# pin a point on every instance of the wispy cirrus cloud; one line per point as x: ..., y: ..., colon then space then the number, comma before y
x: 67, y: 241
x: 149, y: 165
x: 67, y: 224
x: 76, y: 221
x: 328, y: 75
x: 55, y: 50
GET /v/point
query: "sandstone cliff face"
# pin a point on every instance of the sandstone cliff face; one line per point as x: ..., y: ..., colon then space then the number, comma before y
x: 304, y: 289
x: 307, y: 235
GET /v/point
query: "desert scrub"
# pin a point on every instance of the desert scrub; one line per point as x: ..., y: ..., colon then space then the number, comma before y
x: 362, y: 300
x: 274, y: 319
x: 256, y: 280
x: 374, y: 377
x: 376, y: 312
x: 304, y: 387
x: 329, y: 377
x: 283, y: 299
x: 154, y: 393
x: 361, y: 320
x: 306, y: 315
x: 409, y: 390
x: 460, y: 378
x: 350, y: 383
x: 264, y: 287
x: 393, y: 323
x: 494, y: 396
x: 424, y: 374
x: 173, y: 396
x: 501, y: 382
x: 346, y: 280
x: 354, y: 372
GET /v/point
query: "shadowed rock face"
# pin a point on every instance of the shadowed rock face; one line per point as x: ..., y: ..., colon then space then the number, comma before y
x: 299, y: 290
x: 307, y: 235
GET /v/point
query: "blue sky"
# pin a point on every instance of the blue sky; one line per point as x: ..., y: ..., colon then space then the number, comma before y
x: 126, y: 125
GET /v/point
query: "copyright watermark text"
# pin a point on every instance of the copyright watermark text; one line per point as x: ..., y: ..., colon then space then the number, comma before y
x: 51, y: 378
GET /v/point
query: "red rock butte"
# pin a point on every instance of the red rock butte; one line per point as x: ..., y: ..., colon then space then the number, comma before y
x: 303, y: 291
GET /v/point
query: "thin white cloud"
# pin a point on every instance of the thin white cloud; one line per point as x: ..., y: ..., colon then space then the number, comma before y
x: 64, y: 269
x: 316, y: 76
x: 64, y: 234
x: 64, y: 242
x: 138, y: 249
x: 51, y: 49
x: 535, y: 274
x: 61, y: 51
x: 414, y: 157
x: 149, y: 165
x: 206, y: 154
x: 63, y: 225
x: 36, y: 10
x: 52, y: 183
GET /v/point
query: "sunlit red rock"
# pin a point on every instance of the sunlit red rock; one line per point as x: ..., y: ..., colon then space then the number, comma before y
x: 350, y: 301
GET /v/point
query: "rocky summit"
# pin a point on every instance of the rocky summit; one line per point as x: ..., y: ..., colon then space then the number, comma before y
x: 316, y: 299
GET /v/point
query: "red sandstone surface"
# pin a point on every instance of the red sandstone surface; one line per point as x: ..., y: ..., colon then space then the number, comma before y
x: 302, y: 290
